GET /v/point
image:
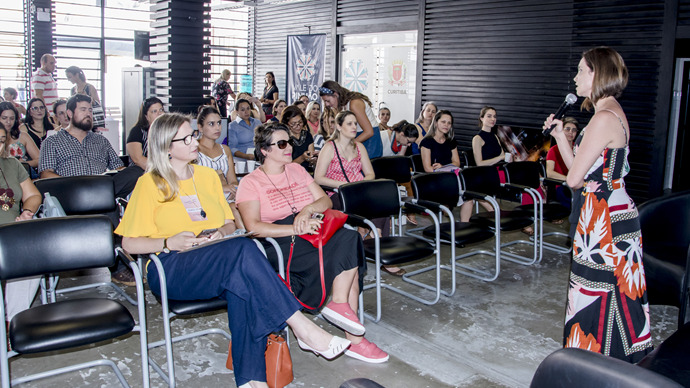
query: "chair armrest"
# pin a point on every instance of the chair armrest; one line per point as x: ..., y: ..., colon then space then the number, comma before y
x: 413, y: 207
x: 467, y: 195
x: 356, y: 220
x: 433, y: 206
x: 329, y: 188
x: 554, y: 182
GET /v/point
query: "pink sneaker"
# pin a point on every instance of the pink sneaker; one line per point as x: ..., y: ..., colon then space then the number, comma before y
x: 367, y: 352
x: 341, y: 315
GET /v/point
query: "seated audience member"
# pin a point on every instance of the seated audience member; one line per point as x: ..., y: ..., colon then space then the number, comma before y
x: 19, y: 202
x: 167, y: 212
x: 217, y: 156
x: 302, y: 106
x: 398, y: 139
x: 423, y: 123
x: 279, y: 200
x: 556, y: 168
x: 137, y: 140
x: 77, y: 151
x: 326, y: 128
x: 241, y: 131
x: 313, y: 116
x: 278, y: 107
x: 384, y: 118
x: 302, y: 142
x: 344, y: 160
x: 10, y: 95
x: 256, y: 112
x: 304, y: 98
x: 19, y: 144
x: 60, y: 117
x: 336, y: 96
x: 440, y: 151
x: 486, y: 148
x: 36, y: 122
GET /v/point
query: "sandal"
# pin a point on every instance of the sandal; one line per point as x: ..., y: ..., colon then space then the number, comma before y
x: 411, y: 219
x: 528, y: 230
x: 400, y: 272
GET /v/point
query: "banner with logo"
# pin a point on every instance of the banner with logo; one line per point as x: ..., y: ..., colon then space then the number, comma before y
x: 306, y: 66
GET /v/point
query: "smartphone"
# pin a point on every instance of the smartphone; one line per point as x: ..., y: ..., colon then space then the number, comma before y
x: 206, y: 233
x: 318, y: 216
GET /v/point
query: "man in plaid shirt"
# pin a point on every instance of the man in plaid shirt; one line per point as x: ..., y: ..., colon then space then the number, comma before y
x: 77, y: 150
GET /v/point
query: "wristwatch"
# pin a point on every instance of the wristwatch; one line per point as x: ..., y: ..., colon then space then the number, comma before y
x: 165, y: 246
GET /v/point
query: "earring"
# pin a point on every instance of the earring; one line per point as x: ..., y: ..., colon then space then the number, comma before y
x: 169, y: 156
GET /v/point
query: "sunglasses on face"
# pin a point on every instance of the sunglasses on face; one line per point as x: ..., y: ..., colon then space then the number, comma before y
x: 39, y: 108
x: 282, y: 144
x: 188, y: 139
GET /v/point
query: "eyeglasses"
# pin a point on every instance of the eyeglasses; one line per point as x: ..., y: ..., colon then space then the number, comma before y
x: 295, y: 124
x: 188, y: 139
x: 570, y: 129
x: 38, y: 108
x: 282, y: 144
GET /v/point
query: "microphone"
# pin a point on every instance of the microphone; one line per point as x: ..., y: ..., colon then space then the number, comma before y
x: 570, y: 99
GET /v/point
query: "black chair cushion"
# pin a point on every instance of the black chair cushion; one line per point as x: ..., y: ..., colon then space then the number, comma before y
x: 465, y: 232
x: 69, y: 323
x: 189, y: 307
x: 399, y: 250
x: 577, y: 368
x: 510, y: 220
x: 552, y: 211
x: 395, y: 167
x: 672, y: 357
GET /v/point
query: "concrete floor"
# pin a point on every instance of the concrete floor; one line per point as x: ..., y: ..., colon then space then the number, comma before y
x: 486, y: 335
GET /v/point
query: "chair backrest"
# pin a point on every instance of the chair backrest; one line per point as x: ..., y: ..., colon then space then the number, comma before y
x: 665, y: 222
x: 395, y: 167
x: 50, y: 245
x: 481, y: 179
x: 523, y: 173
x: 417, y: 164
x: 82, y: 195
x: 439, y: 187
x: 371, y: 199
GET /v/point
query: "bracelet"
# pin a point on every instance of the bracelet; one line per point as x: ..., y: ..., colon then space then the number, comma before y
x: 27, y: 210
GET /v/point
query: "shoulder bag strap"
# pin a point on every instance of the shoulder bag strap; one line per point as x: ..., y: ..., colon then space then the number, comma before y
x: 341, y: 162
x: 323, y: 282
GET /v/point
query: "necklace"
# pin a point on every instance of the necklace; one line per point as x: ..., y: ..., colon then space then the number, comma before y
x: 293, y: 209
x: 6, y: 195
x: 203, y: 213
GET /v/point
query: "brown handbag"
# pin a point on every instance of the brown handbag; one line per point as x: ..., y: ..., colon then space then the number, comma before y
x: 278, y: 362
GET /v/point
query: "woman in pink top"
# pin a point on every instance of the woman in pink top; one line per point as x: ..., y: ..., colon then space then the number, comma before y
x: 344, y: 160
x: 280, y: 200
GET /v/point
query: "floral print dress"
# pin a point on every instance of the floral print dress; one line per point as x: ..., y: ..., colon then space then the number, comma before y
x: 607, y: 309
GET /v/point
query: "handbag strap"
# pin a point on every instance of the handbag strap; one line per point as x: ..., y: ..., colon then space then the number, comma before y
x: 341, y: 162
x: 323, y: 282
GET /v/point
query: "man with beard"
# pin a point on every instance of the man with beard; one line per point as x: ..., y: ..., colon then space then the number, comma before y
x: 76, y: 150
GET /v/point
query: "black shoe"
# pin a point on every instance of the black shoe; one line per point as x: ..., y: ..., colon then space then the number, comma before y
x: 124, y: 277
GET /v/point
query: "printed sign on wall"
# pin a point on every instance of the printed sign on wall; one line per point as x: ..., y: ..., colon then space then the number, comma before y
x: 306, y: 55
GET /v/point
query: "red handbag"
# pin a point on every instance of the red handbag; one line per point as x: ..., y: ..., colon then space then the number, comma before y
x: 332, y: 221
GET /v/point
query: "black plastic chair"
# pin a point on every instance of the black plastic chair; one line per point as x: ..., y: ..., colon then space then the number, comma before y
x: 554, y: 211
x: 417, y: 165
x: 440, y: 192
x: 397, y: 168
x: 485, y: 180
x: 665, y: 224
x: 367, y: 200
x: 55, y: 245
x: 83, y: 195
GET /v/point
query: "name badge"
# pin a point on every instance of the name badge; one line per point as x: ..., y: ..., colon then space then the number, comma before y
x: 193, y: 206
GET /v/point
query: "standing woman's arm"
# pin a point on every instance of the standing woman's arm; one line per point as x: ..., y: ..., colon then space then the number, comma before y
x: 359, y: 109
x: 367, y: 168
x: 93, y: 93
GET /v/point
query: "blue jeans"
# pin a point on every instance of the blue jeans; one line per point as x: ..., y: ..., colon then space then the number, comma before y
x: 259, y: 303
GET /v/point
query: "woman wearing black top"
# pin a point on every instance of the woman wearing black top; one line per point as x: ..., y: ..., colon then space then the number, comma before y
x: 137, y: 139
x: 36, y: 122
x: 486, y: 148
x: 438, y: 147
x: 302, y: 141
x: 270, y: 94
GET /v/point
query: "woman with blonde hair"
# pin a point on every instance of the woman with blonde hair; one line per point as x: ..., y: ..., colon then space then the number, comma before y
x: 313, y: 115
x: 326, y: 128
x: 167, y: 213
x: 221, y: 90
x: 423, y: 122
